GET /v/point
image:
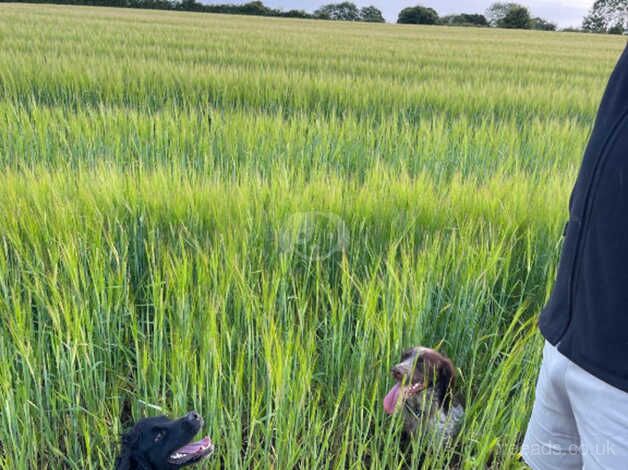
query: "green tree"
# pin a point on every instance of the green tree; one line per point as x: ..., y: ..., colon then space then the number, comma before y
x: 345, y: 11
x: 509, y: 15
x: 497, y: 11
x: 517, y: 17
x: 371, y: 14
x: 296, y: 14
x: 607, y: 16
x: 254, y: 8
x: 594, y: 22
x: 189, y: 5
x: 464, y: 19
x: 542, y: 24
x: 617, y: 29
x: 417, y: 15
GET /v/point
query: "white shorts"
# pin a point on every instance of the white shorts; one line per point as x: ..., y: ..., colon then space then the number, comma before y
x: 578, y: 421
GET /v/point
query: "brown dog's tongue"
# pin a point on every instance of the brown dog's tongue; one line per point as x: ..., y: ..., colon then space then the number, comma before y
x: 390, y: 400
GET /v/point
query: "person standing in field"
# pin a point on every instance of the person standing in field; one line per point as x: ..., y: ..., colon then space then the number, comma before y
x: 580, y: 415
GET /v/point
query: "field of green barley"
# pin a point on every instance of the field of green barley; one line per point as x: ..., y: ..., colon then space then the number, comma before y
x: 252, y: 217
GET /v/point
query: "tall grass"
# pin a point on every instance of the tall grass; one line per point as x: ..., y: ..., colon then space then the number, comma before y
x: 251, y: 217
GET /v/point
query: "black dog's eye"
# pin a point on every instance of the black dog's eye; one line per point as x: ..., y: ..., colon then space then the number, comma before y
x: 160, y: 435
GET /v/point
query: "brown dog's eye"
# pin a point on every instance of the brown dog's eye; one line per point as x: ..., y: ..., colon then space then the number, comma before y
x: 160, y: 435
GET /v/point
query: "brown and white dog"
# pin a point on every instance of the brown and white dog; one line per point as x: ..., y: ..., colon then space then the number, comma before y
x: 424, y: 391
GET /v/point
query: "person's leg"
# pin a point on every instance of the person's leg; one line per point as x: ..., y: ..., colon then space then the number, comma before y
x: 552, y: 441
x: 601, y: 413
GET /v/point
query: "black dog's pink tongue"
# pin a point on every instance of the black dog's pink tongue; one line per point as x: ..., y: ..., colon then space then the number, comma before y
x: 196, y: 447
x: 390, y: 400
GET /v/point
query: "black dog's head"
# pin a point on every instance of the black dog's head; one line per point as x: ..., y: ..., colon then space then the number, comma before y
x: 163, y: 444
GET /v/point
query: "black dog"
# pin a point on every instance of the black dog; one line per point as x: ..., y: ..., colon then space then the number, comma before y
x: 163, y: 444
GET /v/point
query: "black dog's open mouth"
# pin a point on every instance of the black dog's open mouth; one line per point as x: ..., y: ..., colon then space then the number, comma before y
x: 192, y: 452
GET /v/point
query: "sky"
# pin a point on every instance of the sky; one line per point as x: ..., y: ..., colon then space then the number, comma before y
x: 562, y: 12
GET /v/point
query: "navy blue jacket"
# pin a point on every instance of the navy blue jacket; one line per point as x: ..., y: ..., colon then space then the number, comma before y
x: 587, y: 313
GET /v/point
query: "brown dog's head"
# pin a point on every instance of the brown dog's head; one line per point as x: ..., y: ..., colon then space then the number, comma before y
x: 420, y: 368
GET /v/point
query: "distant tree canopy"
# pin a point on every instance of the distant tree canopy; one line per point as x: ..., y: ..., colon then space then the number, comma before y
x: 371, y: 15
x: 256, y: 8
x: 509, y: 15
x: 418, y: 15
x: 497, y: 11
x: 516, y: 18
x: 347, y: 11
x: 464, y: 19
x: 340, y: 11
x: 607, y: 16
x: 542, y: 25
x: 297, y: 14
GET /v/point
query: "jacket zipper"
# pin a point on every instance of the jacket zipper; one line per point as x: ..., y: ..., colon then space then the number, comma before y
x: 590, y: 193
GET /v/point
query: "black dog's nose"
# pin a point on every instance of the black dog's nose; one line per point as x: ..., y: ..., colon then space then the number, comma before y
x: 193, y: 417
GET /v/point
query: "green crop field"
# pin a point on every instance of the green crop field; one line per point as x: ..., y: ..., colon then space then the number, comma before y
x: 252, y: 217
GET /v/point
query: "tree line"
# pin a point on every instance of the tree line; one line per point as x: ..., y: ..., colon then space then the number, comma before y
x: 605, y: 16
x: 499, y: 15
x: 345, y: 11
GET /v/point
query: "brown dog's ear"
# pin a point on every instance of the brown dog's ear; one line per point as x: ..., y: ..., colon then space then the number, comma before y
x: 446, y: 379
x: 445, y: 375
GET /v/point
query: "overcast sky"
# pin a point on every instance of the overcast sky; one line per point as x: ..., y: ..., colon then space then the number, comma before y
x: 563, y: 12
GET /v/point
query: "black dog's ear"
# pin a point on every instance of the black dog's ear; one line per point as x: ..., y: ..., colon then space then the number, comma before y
x: 125, y: 460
